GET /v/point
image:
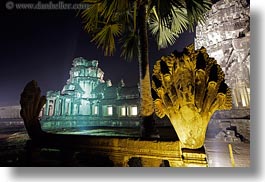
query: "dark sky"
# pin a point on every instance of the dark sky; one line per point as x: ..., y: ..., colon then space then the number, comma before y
x: 41, y: 44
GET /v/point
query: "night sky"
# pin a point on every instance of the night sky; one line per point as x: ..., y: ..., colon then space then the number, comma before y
x: 41, y: 45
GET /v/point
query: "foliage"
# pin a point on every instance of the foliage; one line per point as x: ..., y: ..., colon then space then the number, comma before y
x: 111, y: 20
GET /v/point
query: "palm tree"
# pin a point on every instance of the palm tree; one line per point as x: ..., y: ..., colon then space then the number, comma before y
x: 128, y: 21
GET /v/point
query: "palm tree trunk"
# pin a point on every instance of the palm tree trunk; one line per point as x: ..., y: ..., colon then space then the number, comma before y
x: 147, y: 107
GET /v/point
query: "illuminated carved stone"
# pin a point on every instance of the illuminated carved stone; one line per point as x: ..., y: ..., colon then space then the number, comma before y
x: 117, y: 150
x: 77, y: 96
x: 188, y: 88
x: 226, y: 36
x: 88, y: 100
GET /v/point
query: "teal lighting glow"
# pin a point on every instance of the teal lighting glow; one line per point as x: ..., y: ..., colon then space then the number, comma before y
x: 87, y: 100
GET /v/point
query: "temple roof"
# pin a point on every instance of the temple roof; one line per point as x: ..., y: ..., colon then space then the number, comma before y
x: 128, y: 91
x: 110, y: 92
x: 72, y: 87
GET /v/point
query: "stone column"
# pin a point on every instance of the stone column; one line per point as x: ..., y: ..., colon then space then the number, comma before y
x: 56, y: 107
x: 63, y: 107
x: 46, y: 113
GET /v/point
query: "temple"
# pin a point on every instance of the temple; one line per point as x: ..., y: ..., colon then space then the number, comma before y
x: 226, y: 36
x: 88, y: 100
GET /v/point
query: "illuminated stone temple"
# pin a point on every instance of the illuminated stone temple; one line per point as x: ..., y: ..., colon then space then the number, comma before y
x: 88, y: 100
x: 226, y: 36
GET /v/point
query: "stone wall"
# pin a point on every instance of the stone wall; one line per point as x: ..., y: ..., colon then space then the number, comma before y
x: 226, y: 36
x: 10, y: 112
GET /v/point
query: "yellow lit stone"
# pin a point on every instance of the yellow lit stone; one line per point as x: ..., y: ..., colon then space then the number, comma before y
x: 188, y: 90
x: 118, y: 150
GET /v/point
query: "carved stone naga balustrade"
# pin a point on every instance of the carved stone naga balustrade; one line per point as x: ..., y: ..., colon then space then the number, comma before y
x: 188, y: 87
x: 119, y: 150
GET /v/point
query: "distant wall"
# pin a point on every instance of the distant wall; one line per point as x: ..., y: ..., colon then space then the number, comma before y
x: 10, y: 112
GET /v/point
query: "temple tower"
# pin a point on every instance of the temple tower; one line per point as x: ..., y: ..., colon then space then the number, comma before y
x: 226, y: 36
x: 77, y: 96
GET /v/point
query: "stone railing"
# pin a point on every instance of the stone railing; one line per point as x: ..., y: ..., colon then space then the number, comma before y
x: 48, y: 149
x: 113, y: 152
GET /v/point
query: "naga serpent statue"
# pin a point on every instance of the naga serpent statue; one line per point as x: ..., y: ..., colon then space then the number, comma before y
x: 31, y: 103
x: 188, y: 87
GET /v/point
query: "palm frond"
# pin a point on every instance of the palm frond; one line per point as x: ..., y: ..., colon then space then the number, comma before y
x: 101, y: 12
x: 196, y: 10
x: 91, y: 1
x: 170, y: 18
x: 91, y: 17
x: 106, y: 38
x: 164, y: 35
x: 125, y: 18
x: 111, y: 7
x: 130, y: 46
x: 165, y: 9
x: 180, y: 20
